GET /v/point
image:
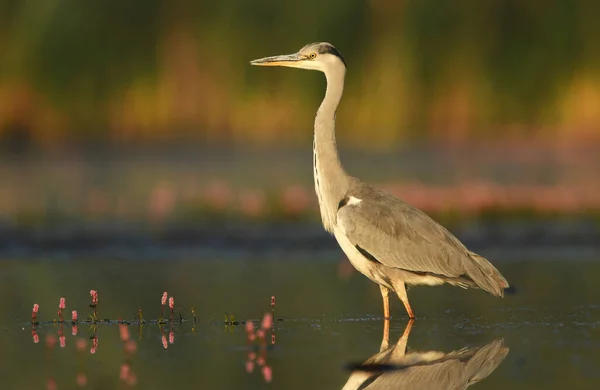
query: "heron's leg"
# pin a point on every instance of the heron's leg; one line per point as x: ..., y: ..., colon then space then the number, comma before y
x: 385, y: 342
x: 400, y: 347
x: 385, y: 293
x: 401, y: 291
x: 401, y: 344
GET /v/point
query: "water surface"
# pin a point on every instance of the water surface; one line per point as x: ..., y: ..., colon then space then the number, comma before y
x: 328, y: 319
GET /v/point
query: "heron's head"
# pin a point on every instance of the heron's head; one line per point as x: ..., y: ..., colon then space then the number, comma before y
x: 321, y: 56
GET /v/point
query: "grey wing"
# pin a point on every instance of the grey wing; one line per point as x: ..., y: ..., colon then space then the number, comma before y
x: 454, y: 370
x: 401, y: 236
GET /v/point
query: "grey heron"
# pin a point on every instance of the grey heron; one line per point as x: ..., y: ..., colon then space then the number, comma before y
x: 391, y: 242
x: 393, y: 368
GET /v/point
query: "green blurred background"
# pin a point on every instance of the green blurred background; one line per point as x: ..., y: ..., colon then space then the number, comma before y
x: 495, y: 100
x: 150, y: 69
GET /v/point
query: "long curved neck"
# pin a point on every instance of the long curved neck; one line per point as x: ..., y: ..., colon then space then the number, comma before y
x: 331, y: 181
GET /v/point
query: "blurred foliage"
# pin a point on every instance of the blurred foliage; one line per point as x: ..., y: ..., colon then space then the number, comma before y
x: 147, y: 69
x: 192, y: 183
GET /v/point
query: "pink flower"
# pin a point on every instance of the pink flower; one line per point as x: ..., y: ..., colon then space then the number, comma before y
x: 164, y: 342
x: 273, y: 301
x: 74, y: 315
x: 249, y: 366
x: 36, y: 338
x: 61, y: 304
x: 171, y: 303
x: 74, y: 330
x: 34, y: 312
x: 63, y: 341
x: 163, y: 301
x: 94, y: 295
x: 171, y: 337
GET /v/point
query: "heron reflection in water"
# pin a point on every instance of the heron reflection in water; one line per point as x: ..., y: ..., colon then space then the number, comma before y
x: 394, y: 368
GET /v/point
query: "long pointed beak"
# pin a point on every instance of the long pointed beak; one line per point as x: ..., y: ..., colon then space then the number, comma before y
x: 282, y: 60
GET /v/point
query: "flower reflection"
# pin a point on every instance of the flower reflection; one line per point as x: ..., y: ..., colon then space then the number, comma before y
x: 51, y: 384
x: 94, y: 344
x: 126, y: 373
x: 164, y: 341
x: 257, y: 345
x: 81, y: 379
x: 260, y: 336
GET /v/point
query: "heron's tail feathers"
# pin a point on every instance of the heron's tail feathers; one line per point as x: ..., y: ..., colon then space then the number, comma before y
x: 485, y: 275
x: 484, y: 362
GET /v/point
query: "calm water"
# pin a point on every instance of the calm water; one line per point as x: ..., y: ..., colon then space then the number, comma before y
x: 546, y: 335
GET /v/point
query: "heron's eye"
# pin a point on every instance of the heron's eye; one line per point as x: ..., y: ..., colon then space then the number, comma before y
x: 312, y: 56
